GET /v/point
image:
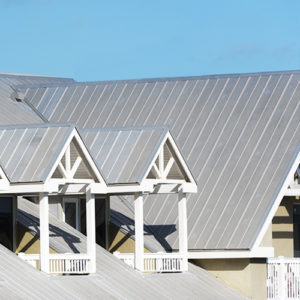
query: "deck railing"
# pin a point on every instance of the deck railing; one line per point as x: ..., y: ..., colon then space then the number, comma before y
x: 157, y: 262
x: 283, y: 278
x: 67, y: 263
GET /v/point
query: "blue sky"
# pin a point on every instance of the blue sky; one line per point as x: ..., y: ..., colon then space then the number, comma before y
x: 103, y: 40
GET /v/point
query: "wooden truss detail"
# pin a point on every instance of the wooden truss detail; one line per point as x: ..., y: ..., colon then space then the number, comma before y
x: 167, y: 165
x: 73, y: 167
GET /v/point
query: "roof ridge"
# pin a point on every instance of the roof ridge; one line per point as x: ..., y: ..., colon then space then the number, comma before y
x: 154, y: 79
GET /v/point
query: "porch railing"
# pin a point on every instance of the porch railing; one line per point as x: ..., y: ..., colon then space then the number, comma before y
x: 283, y: 278
x: 67, y: 263
x: 157, y: 262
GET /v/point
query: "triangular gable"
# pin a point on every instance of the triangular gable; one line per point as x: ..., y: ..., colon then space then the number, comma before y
x: 75, y: 164
x: 168, y: 166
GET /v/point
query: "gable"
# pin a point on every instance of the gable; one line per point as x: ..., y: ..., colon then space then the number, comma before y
x: 167, y: 166
x: 73, y: 165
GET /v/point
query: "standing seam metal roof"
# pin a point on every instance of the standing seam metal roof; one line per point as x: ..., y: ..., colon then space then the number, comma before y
x: 28, y: 152
x: 123, y: 154
x: 238, y: 133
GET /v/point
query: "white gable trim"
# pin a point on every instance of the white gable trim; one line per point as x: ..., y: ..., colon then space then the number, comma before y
x: 283, y: 192
x: 162, y: 171
x: 4, y: 182
x: 74, y: 135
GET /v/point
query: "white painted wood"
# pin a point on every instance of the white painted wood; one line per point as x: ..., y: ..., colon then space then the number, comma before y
x: 139, y: 231
x: 182, y: 228
x: 68, y: 161
x: 168, y: 167
x: 44, y: 232
x: 75, y: 166
x: 156, y: 262
x: 85, y: 152
x: 283, y: 278
x: 62, y: 170
x: 161, y: 166
x: 91, y: 230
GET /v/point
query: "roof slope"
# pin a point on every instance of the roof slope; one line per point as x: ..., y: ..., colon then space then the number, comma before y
x: 28, y: 152
x: 12, y: 112
x: 238, y: 133
x: 123, y: 155
x: 118, y: 279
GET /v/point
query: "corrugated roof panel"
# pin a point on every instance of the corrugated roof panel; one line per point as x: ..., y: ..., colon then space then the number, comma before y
x: 222, y: 124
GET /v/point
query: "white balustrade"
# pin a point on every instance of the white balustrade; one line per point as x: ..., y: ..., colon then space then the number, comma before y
x: 156, y: 262
x: 66, y: 263
x: 283, y: 278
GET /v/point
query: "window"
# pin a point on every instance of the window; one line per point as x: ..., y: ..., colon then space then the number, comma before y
x: 71, y: 211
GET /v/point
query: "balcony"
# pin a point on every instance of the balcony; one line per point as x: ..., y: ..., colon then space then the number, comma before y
x: 157, y: 262
x: 283, y: 278
x: 61, y: 264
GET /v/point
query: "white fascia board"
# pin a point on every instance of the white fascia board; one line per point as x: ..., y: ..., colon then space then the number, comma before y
x: 281, y: 194
x: 181, y: 159
x: 23, y: 188
x: 97, y: 188
x: 261, y: 252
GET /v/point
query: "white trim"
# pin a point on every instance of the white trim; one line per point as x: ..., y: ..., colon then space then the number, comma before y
x: 292, y: 192
x: 24, y: 188
x: 261, y: 252
x: 77, y: 207
x: 74, y: 134
x: 164, y: 170
x: 277, y: 202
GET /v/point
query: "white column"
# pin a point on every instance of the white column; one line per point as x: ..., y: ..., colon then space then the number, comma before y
x: 182, y: 228
x: 44, y: 232
x: 139, y: 231
x: 91, y: 230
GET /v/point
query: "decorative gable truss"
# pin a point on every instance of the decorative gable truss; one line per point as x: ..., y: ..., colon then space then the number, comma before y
x: 168, y: 171
x: 75, y: 165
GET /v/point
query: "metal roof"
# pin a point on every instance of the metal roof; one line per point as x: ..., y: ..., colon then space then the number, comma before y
x: 12, y: 112
x: 115, y: 277
x: 123, y: 155
x: 239, y: 134
x: 28, y: 152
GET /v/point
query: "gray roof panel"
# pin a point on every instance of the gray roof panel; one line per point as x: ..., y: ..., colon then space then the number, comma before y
x: 123, y: 154
x: 29, y: 151
x: 228, y: 128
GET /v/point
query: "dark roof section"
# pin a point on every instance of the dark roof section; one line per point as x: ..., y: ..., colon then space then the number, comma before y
x: 239, y: 134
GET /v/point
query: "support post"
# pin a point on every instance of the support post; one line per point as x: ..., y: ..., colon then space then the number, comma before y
x: 182, y: 229
x: 91, y: 230
x: 44, y: 232
x: 139, y: 231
